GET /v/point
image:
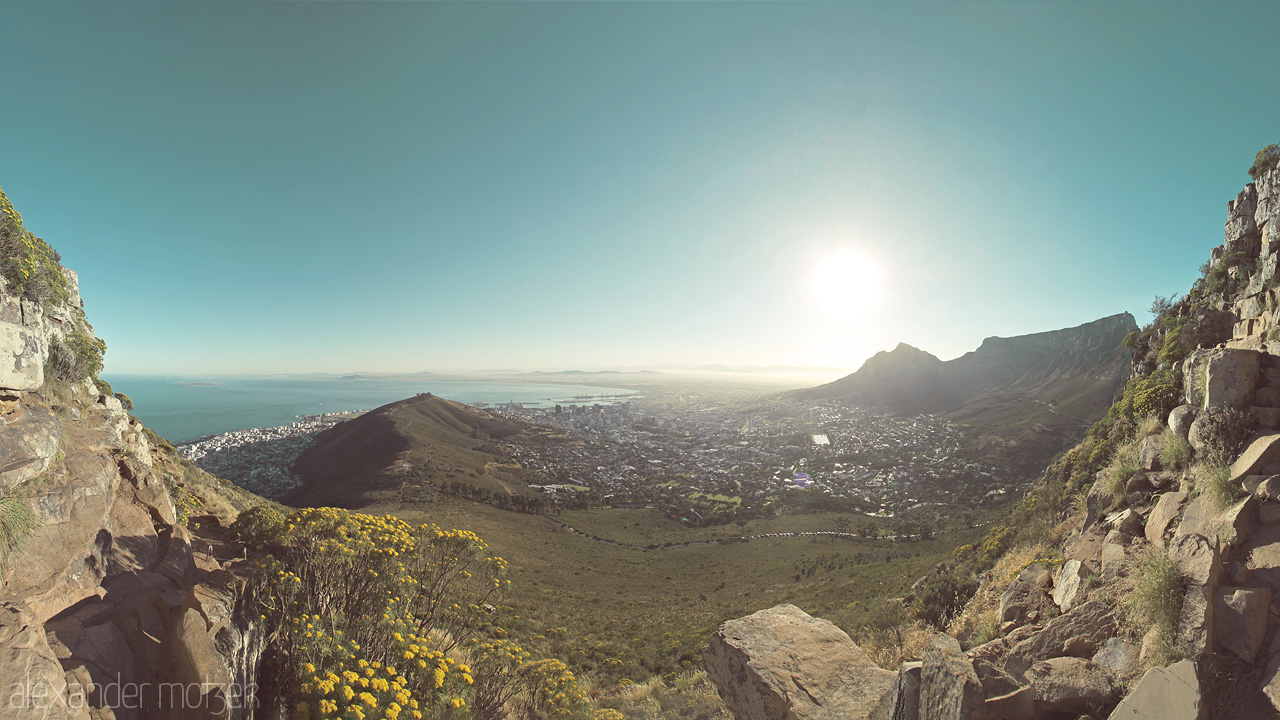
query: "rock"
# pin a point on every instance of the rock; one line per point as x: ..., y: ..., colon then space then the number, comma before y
x: 1260, y: 453
x: 1195, y: 626
x: 1087, y: 546
x: 1271, y: 681
x: 904, y: 703
x: 1232, y: 378
x: 1198, y: 558
x: 1265, y: 417
x: 1262, y: 557
x: 31, y: 673
x: 1118, y: 658
x: 1078, y: 632
x: 1097, y: 501
x: 1237, y: 523
x: 1017, y: 705
x: 1115, y: 537
x: 1139, y: 483
x: 949, y: 686
x: 1267, y: 397
x: 1240, y: 620
x: 1197, y: 518
x: 1266, y: 487
x: 1269, y: 512
x: 1026, y: 595
x: 25, y: 352
x: 29, y: 438
x: 1114, y: 561
x: 1165, y: 512
x: 782, y: 664
x: 1180, y: 419
x: 1149, y: 453
x: 1069, y: 685
x: 1170, y: 693
x: 1128, y: 522
x: 1073, y: 581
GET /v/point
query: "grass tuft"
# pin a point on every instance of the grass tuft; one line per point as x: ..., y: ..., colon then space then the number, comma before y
x: 1214, y: 482
x: 17, y: 523
x: 1123, y: 465
x: 1152, y: 598
x: 1175, y: 451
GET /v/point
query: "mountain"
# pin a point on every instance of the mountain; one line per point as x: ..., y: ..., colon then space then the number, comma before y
x: 406, y: 447
x: 1024, y: 397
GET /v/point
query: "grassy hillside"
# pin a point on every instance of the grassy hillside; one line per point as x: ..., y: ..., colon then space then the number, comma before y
x: 406, y: 451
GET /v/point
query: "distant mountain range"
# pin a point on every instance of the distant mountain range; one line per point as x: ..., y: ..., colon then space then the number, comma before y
x: 1024, y: 397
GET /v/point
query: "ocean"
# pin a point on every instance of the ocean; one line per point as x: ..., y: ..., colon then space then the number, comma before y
x: 182, y: 409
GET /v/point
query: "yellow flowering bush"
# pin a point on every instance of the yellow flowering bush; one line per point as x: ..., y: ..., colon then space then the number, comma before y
x: 27, y: 262
x: 367, y: 616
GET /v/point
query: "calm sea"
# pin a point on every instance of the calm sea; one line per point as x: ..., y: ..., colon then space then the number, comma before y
x: 182, y: 409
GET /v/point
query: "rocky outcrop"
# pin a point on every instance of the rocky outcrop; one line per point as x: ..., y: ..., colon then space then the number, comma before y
x: 110, y: 594
x: 782, y: 664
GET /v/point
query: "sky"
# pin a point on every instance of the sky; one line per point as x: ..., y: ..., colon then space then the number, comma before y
x: 261, y: 187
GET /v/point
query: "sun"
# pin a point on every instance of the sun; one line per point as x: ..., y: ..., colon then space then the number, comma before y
x: 845, y: 283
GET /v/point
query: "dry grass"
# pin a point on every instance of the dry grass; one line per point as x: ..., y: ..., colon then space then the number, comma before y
x: 979, y: 621
x: 1175, y: 451
x: 17, y: 523
x: 891, y: 647
x: 1147, y: 427
x: 1151, y: 598
x: 1123, y: 465
x: 1214, y: 481
x: 686, y: 696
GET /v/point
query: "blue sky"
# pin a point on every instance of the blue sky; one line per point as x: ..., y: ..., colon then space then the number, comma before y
x: 297, y: 186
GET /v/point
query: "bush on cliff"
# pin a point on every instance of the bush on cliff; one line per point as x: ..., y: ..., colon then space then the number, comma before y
x: 1266, y: 159
x: 27, y: 262
x: 75, y: 358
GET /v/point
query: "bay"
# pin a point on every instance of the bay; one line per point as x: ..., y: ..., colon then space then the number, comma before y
x: 181, y: 409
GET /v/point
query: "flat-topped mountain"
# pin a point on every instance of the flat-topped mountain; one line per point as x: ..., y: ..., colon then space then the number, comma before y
x: 1036, y: 392
x: 403, y: 448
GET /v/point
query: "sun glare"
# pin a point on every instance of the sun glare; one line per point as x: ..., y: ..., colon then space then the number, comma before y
x: 845, y: 283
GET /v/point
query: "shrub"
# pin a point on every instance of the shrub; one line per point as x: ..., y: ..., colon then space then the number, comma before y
x: 942, y: 597
x: 1264, y: 160
x: 1223, y: 432
x: 125, y: 401
x: 75, y: 358
x: 258, y: 525
x: 1153, y: 599
x: 27, y: 262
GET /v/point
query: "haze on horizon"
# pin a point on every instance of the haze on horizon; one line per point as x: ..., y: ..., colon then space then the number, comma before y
x: 266, y: 187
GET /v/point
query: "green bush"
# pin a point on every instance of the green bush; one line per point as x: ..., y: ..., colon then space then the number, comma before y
x: 75, y: 358
x: 27, y: 262
x: 258, y: 525
x: 942, y: 597
x: 1266, y: 159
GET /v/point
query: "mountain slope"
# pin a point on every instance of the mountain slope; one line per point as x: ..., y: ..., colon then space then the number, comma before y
x: 408, y: 446
x: 1024, y: 397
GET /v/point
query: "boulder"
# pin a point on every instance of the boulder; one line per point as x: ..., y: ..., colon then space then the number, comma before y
x: 1261, y: 452
x: 782, y: 664
x: 1017, y: 705
x: 1114, y: 560
x: 1149, y: 453
x: 1078, y: 633
x: 1169, y: 693
x: 1238, y: 522
x: 1073, y: 582
x: 1240, y: 620
x: 1070, y: 685
x: 1026, y: 595
x: 1232, y: 378
x: 1265, y: 487
x: 1163, y: 515
x: 1195, y: 625
x: 1096, y: 502
x: 1118, y: 658
x: 904, y: 702
x: 1127, y: 521
x: 25, y: 350
x: 1269, y: 512
x: 1198, y: 558
x: 949, y: 685
x: 33, y: 678
x: 1197, y: 517
x: 1262, y: 557
x: 1180, y: 419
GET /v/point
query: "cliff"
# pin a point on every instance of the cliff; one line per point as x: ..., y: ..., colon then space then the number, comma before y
x: 1023, y: 398
x: 115, y: 570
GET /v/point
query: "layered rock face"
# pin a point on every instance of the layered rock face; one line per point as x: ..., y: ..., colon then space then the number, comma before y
x: 112, y: 608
